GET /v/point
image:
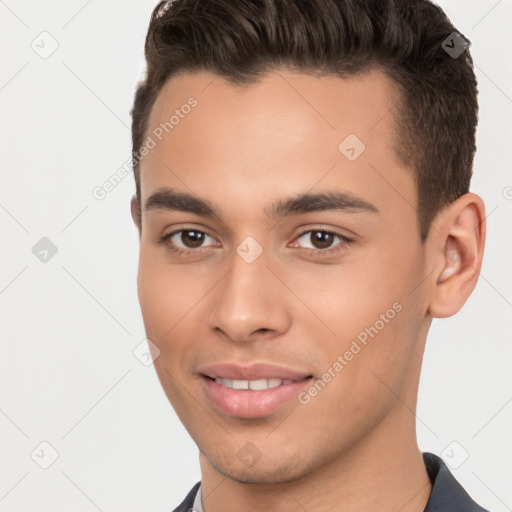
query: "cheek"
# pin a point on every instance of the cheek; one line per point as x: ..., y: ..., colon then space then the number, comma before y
x: 165, y: 301
x: 375, y: 319
x: 353, y: 299
x: 368, y: 374
x: 170, y: 301
x: 160, y: 297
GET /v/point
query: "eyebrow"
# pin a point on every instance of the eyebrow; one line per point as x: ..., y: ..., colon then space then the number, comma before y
x: 173, y: 200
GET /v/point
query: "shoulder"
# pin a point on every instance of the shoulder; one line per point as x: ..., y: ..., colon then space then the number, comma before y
x: 447, y: 494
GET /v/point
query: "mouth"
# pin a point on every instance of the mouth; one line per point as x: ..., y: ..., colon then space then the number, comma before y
x: 255, y: 396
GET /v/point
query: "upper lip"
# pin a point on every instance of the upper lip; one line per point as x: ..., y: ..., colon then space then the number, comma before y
x: 252, y: 372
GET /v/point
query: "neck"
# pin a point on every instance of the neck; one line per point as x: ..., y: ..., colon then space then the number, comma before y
x: 383, y: 477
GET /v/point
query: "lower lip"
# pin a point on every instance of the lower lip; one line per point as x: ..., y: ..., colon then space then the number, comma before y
x: 246, y: 403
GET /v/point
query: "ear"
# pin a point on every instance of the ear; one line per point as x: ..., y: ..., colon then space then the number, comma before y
x: 136, y: 216
x: 458, y: 248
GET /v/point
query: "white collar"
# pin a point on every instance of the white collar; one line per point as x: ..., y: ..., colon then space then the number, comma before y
x: 198, y: 501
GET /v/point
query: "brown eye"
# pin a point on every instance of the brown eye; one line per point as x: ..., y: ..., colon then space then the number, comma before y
x: 192, y: 239
x: 321, y: 240
x: 187, y: 239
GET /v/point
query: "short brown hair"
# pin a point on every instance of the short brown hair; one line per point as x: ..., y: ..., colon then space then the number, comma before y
x: 242, y: 40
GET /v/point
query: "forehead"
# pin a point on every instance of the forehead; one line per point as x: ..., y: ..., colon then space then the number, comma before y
x: 285, y: 134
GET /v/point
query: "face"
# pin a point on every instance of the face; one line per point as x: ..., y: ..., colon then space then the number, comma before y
x: 280, y: 274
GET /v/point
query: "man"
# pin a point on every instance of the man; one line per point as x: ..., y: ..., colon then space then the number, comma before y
x: 302, y: 198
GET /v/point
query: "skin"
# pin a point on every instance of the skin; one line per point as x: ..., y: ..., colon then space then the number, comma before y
x: 353, y: 446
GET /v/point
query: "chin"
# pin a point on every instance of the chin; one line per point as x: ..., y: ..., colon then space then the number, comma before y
x: 268, y: 470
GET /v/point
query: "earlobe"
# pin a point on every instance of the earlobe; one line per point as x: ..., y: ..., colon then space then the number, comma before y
x: 135, y: 211
x: 460, y: 238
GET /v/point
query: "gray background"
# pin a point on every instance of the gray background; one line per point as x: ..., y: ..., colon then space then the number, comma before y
x: 70, y: 324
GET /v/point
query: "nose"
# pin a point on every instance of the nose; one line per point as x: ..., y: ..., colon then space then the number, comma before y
x: 249, y: 301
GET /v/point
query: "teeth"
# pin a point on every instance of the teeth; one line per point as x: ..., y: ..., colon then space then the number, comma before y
x: 273, y: 383
x: 255, y: 385
x: 240, y: 384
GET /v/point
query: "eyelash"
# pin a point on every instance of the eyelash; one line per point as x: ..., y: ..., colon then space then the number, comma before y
x: 345, y: 241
